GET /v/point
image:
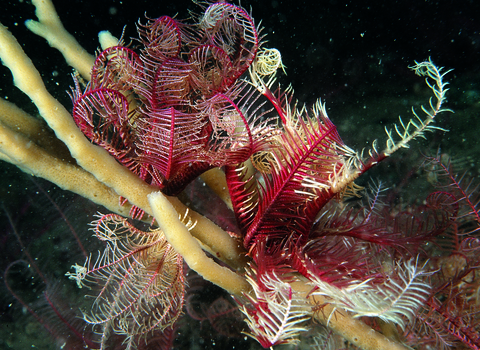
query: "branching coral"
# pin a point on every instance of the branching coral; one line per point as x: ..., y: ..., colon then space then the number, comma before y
x: 191, y: 97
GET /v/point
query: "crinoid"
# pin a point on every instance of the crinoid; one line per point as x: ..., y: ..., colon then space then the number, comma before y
x: 200, y: 98
x: 177, y: 108
x: 141, y: 278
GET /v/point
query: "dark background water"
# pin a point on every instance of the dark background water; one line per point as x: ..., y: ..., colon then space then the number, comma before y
x: 325, y: 44
x: 352, y: 54
x: 346, y: 52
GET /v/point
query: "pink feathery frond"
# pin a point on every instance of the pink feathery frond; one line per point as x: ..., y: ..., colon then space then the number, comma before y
x: 215, y: 71
x: 103, y: 116
x: 231, y: 134
x: 118, y: 68
x: 170, y: 145
x: 140, y: 279
x: 275, y: 315
x: 162, y: 39
x: 302, y: 176
x: 464, y: 189
x: 177, y: 108
x: 172, y: 85
x: 232, y: 29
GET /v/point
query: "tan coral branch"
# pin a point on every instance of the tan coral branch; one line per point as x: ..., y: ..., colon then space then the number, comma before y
x: 92, y: 158
x: 32, y: 159
x: 51, y: 28
x: 352, y: 329
x: 184, y: 244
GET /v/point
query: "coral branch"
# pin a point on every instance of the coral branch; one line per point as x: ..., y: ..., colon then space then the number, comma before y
x: 33, y: 159
x: 179, y: 105
x: 92, y: 158
x: 353, y: 330
x: 51, y: 28
x: 181, y: 240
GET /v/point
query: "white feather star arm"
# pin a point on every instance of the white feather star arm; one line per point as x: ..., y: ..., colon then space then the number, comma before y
x: 276, y: 314
x: 392, y: 301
